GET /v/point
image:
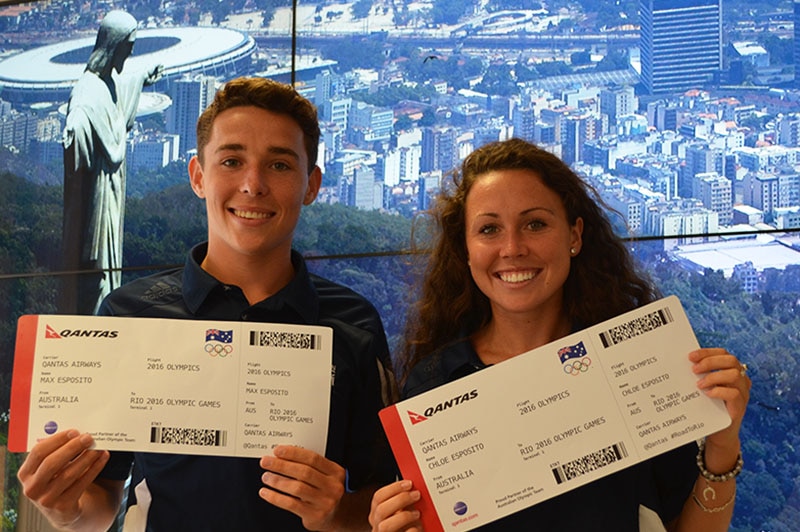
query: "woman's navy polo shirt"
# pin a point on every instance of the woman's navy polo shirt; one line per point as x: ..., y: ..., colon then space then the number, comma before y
x: 205, y: 493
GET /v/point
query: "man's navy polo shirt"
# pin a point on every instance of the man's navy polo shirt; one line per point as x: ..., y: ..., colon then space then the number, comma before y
x: 204, y: 493
x: 662, y: 484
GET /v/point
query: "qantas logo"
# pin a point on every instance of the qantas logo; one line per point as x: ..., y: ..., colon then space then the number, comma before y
x: 49, y: 332
x: 415, y: 418
x: 444, y: 405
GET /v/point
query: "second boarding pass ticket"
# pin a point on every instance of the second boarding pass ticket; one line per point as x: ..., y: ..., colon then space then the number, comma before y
x: 170, y: 385
x: 550, y: 420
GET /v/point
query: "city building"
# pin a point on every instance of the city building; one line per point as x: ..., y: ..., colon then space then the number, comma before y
x: 152, y: 151
x: 797, y: 40
x: 681, y: 44
x: 439, y: 149
x: 715, y: 191
x: 190, y: 96
x: 616, y: 102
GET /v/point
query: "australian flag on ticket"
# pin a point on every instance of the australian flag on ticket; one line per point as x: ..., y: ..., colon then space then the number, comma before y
x: 216, y: 335
x: 572, y: 351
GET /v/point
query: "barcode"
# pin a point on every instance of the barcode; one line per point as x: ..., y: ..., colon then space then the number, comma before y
x: 590, y: 462
x: 187, y: 436
x: 635, y: 327
x: 286, y: 339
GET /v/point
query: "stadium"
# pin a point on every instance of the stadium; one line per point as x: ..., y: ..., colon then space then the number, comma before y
x: 48, y: 73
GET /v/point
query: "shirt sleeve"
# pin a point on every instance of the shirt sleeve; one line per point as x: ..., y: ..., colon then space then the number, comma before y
x: 380, y: 390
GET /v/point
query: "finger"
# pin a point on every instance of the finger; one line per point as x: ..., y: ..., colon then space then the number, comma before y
x: 46, y: 466
x: 730, y: 394
x: 73, y: 480
x: 290, y: 453
x: 281, y: 474
x: 314, y: 513
x: 730, y: 377
x: 713, y: 359
x: 46, y: 447
x: 390, y: 490
x: 284, y: 484
x: 406, y: 521
x: 735, y: 397
x: 400, y: 503
x: 281, y: 500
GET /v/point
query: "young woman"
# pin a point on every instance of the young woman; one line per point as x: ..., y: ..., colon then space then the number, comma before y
x: 525, y: 256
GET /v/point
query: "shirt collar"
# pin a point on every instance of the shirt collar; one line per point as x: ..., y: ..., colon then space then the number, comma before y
x: 461, y: 360
x: 299, y: 294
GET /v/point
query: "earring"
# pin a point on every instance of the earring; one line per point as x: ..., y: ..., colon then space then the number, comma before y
x: 571, y: 251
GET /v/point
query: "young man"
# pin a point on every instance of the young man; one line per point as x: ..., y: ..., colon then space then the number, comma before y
x: 255, y: 169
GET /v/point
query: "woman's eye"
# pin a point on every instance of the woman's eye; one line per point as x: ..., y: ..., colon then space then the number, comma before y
x: 536, y: 224
x: 487, y: 229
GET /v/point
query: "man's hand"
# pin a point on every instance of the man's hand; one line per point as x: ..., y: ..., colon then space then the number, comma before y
x: 58, y: 471
x: 304, y: 483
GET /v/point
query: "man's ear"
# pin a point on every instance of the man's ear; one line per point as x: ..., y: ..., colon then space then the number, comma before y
x: 314, y: 182
x: 196, y: 177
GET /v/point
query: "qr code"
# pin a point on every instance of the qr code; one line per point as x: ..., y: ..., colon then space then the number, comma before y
x: 590, y: 462
x: 187, y: 436
x: 635, y: 327
x: 286, y: 340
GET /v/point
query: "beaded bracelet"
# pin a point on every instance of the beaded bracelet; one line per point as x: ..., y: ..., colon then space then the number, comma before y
x: 708, y: 475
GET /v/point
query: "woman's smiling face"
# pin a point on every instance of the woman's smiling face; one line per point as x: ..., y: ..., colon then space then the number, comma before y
x: 519, y: 242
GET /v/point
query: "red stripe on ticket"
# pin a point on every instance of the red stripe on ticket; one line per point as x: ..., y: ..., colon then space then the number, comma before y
x: 27, y: 327
x: 409, y: 467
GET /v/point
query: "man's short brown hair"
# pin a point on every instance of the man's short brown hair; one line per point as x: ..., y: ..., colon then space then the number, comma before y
x: 267, y: 94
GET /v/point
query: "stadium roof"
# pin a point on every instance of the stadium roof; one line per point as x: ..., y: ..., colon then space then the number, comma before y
x: 763, y: 251
x: 53, y: 69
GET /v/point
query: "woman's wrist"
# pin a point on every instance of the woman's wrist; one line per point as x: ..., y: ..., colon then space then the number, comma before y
x: 718, y: 470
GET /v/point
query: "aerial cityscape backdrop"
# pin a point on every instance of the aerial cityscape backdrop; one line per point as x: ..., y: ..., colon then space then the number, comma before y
x: 683, y: 117
x: 683, y: 114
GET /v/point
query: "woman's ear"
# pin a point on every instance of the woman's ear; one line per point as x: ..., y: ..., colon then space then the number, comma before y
x: 576, y: 239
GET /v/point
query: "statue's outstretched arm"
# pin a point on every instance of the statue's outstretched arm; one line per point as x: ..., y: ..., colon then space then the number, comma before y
x: 154, y: 75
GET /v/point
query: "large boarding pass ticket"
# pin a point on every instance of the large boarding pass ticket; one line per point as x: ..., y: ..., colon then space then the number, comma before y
x: 555, y: 418
x: 171, y: 386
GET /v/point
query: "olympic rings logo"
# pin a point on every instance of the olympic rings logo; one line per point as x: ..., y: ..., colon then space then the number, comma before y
x: 578, y: 366
x: 219, y: 349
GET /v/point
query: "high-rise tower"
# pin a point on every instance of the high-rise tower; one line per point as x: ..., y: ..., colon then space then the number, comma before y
x: 796, y: 42
x: 190, y: 96
x: 681, y: 44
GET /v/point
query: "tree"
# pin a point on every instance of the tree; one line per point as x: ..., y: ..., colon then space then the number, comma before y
x: 403, y: 123
x: 355, y: 52
x: 428, y: 118
x: 615, y: 59
x: 581, y: 58
x: 450, y: 11
x: 361, y: 8
x: 498, y: 80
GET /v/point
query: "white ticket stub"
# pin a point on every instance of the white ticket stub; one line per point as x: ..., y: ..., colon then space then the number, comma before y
x: 171, y: 386
x: 555, y: 418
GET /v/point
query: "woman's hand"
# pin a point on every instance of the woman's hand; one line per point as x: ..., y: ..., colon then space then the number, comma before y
x: 724, y: 377
x: 393, y: 510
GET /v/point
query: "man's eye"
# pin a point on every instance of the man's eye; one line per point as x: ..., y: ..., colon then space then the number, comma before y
x: 230, y: 163
x: 281, y: 166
